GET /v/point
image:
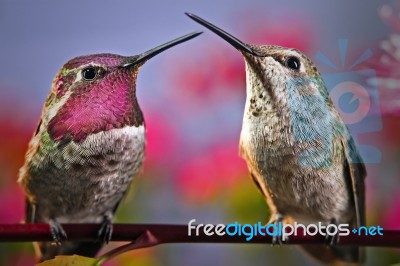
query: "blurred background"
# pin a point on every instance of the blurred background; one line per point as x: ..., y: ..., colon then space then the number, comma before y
x: 193, y: 98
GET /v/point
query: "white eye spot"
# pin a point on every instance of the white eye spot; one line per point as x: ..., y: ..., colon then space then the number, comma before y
x: 302, y: 68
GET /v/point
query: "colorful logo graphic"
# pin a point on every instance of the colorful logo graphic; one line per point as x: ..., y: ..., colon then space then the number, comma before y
x: 355, y: 95
x: 314, y: 124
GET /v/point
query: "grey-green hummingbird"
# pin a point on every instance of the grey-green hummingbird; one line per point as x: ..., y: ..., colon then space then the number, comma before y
x: 88, y: 146
x: 298, y: 150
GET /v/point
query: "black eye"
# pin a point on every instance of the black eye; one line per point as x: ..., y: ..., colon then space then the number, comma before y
x: 293, y: 63
x: 89, y: 73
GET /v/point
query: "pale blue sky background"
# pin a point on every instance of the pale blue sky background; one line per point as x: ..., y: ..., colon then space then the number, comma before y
x: 37, y: 37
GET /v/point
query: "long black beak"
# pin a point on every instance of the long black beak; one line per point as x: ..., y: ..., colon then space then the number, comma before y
x: 235, y: 42
x: 137, y: 59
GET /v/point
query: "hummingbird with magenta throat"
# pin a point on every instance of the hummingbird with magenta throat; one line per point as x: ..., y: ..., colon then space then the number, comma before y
x: 298, y: 150
x: 88, y: 146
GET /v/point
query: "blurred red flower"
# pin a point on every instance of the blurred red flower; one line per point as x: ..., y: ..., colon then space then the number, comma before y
x: 206, y: 175
x: 14, y: 138
x: 215, y: 73
x: 162, y: 141
x: 387, y: 63
x: 392, y: 214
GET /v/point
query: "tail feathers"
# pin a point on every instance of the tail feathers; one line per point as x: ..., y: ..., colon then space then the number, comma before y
x: 49, y: 250
x: 336, y: 255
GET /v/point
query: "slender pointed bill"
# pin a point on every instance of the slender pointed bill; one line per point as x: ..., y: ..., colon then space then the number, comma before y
x: 235, y: 42
x: 133, y: 60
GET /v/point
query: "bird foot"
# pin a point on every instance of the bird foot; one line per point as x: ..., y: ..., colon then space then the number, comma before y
x: 278, y: 238
x: 106, y: 229
x: 332, y: 239
x: 57, y: 232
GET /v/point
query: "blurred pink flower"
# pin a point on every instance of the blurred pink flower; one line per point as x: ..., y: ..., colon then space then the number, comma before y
x: 389, y: 135
x: 214, y: 73
x: 11, y: 204
x: 298, y: 32
x: 14, y: 138
x: 392, y: 214
x: 205, y: 176
x: 162, y: 141
x: 387, y: 63
x: 206, y: 78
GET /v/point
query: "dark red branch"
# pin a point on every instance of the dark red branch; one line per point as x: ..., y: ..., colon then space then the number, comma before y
x: 176, y: 234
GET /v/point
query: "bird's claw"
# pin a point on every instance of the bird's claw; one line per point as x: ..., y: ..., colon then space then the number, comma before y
x: 278, y: 239
x: 331, y: 240
x: 57, y: 232
x: 105, y: 232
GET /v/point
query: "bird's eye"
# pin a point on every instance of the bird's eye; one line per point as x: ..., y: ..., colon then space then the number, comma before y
x: 89, y: 73
x: 293, y: 63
